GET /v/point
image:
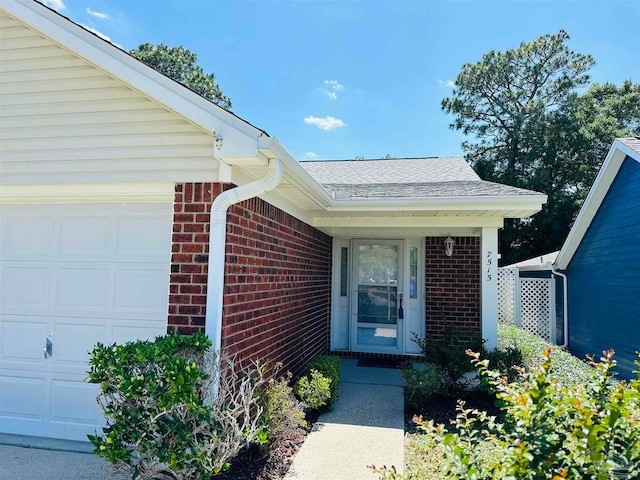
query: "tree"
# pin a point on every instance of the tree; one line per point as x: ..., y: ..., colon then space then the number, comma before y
x: 181, y: 65
x: 533, y: 129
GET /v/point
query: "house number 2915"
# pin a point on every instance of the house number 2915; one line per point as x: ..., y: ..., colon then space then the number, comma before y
x: 489, y: 263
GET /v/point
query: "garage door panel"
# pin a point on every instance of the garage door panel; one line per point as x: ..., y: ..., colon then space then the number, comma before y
x: 85, y: 235
x: 29, y: 354
x: 25, y: 236
x: 25, y: 288
x: 128, y: 333
x: 141, y: 290
x: 22, y: 397
x: 75, y: 402
x: 82, y: 289
x: 72, y: 343
x: 143, y: 237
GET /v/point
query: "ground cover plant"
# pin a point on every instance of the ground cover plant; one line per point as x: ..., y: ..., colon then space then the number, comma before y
x: 552, y: 424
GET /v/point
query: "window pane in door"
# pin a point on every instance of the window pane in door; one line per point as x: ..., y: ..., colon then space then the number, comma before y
x: 378, y: 264
x: 377, y: 304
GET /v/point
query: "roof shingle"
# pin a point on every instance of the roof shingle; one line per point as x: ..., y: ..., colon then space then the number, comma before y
x: 405, y: 178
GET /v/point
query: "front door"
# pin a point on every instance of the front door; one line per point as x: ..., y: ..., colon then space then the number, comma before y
x: 377, y: 296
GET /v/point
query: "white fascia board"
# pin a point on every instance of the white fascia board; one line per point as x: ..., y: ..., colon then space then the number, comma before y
x: 88, y: 193
x: 407, y: 221
x: 531, y: 203
x: 240, y: 137
x: 295, y: 173
x: 239, y: 177
x: 608, y: 172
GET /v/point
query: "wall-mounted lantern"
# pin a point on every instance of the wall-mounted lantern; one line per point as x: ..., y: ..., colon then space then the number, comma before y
x: 448, y: 246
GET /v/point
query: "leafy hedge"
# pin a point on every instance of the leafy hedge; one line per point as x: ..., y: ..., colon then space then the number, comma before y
x: 567, y: 369
x: 329, y: 367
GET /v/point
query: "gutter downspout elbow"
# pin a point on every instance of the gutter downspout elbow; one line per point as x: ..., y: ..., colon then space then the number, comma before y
x: 565, y: 307
x: 217, y: 244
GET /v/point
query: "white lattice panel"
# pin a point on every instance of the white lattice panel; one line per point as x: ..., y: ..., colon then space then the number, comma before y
x: 506, y: 295
x: 537, y: 306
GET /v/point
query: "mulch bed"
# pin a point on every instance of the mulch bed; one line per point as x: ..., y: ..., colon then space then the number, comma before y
x: 442, y: 409
x: 256, y: 464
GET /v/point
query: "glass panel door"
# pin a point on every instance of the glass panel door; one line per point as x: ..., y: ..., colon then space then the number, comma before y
x: 377, y: 293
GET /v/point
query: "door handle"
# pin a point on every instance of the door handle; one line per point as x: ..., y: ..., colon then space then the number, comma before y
x: 48, y: 348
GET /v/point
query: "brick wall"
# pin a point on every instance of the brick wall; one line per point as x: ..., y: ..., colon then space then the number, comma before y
x: 277, y: 278
x: 453, y: 286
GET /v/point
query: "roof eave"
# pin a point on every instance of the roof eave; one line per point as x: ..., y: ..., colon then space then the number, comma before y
x: 502, y: 203
x: 608, y: 171
x: 294, y: 172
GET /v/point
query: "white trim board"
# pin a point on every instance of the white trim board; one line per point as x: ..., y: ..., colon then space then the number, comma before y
x: 607, y: 174
x: 88, y: 193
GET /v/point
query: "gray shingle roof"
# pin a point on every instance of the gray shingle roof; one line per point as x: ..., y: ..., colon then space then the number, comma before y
x: 395, y: 170
x: 405, y: 178
x: 424, y: 190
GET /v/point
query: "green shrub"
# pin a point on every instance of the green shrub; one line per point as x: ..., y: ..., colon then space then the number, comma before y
x: 448, y: 352
x: 566, y: 368
x: 329, y: 367
x: 506, y: 360
x: 420, y: 384
x: 314, y: 392
x: 283, y: 413
x: 161, y: 416
x: 549, y: 430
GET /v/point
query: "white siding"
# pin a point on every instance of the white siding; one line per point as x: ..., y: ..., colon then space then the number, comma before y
x: 67, y: 121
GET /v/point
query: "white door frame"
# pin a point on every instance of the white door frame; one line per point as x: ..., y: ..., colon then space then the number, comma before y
x: 343, y: 298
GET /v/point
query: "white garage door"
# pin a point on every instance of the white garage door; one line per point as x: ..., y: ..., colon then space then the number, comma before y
x: 71, y: 276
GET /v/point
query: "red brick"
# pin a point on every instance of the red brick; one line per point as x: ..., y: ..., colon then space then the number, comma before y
x: 277, y: 293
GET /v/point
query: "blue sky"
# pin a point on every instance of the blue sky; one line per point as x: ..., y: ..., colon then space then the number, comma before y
x: 337, y: 79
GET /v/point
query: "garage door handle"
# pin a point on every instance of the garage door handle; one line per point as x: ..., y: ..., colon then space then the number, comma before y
x: 48, y: 349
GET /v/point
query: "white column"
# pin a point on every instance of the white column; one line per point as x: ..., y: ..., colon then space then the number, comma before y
x: 489, y: 286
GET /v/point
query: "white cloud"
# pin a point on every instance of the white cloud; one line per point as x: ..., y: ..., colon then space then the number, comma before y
x: 447, y: 83
x: 98, y: 15
x: 101, y: 35
x: 324, y: 123
x: 57, y: 5
x: 334, y: 85
x: 310, y: 155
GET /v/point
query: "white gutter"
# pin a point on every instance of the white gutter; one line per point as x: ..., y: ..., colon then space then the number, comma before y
x: 565, y: 306
x: 217, y: 244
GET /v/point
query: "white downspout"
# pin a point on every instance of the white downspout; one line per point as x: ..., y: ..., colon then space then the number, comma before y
x: 217, y: 244
x: 565, y: 306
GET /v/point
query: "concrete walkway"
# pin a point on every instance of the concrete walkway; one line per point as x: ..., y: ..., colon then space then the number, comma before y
x: 365, y: 427
x: 35, y: 458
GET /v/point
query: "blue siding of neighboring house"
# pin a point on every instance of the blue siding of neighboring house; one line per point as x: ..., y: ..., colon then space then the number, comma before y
x: 604, y: 276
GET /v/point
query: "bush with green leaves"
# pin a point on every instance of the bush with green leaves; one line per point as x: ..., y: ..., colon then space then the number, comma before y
x: 314, y: 390
x: 550, y: 429
x: 448, y: 352
x: 566, y: 368
x: 283, y: 413
x: 162, y: 419
x: 329, y: 367
x: 420, y: 384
